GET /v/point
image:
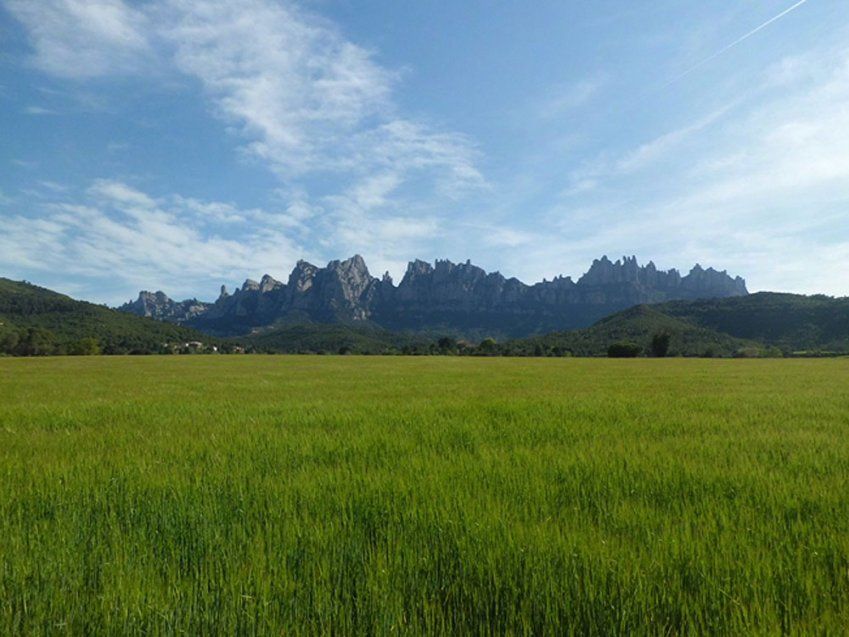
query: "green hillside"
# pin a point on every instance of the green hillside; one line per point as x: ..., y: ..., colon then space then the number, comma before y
x: 637, y: 325
x: 322, y: 338
x: 37, y: 321
x: 793, y: 322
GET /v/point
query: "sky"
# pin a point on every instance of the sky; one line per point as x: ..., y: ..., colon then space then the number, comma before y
x: 182, y: 144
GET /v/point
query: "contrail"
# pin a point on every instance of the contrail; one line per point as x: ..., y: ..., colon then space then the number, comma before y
x: 738, y: 41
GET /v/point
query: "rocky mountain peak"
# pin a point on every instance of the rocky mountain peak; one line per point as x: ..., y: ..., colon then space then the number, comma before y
x: 416, y: 269
x: 301, y: 278
x: 159, y: 305
x: 354, y: 267
x: 269, y: 283
x: 351, y: 276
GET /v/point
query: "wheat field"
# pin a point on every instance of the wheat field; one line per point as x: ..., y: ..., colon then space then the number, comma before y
x: 275, y: 495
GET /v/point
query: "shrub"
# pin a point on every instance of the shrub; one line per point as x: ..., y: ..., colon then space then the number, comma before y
x: 660, y: 344
x: 85, y: 347
x: 624, y: 350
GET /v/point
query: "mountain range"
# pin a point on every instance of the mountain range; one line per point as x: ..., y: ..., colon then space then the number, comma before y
x: 37, y: 321
x: 456, y: 298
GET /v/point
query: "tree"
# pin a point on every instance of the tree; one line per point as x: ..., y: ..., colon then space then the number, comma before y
x: 660, y: 344
x: 487, y: 346
x: 37, y: 342
x: 9, y: 342
x: 446, y: 344
x: 624, y: 350
x: 88, y: 346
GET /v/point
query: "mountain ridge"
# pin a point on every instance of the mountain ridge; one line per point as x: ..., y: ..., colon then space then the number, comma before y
x: 454, y: 297
x: 35, y: 320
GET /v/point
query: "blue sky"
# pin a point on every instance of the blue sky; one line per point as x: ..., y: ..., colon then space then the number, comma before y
x: 178, y: 144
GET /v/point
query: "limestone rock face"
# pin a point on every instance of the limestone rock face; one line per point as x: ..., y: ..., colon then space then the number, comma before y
x: 267, y: 284
x: 455, y: 297
x: 159, y: 306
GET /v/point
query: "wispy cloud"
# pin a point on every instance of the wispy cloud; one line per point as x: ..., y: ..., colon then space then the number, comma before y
x: 736, y: 42
x: 38, y: 110
x: 291, y: 83
x: 123, y: 239
x: 78, y: 38
x: 564, y: 99
x: 301, y: 98
x: 760, y: 189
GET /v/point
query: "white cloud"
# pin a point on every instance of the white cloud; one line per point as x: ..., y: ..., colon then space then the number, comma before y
x: 761, y: 189
x: 119, y: 193
x: 662, y: 146
x: 38, y: 110
x: 124, y: 239
x: 80, y: 38
x: 564, y: 99
x: 300, y: 97
x: 292, y: 83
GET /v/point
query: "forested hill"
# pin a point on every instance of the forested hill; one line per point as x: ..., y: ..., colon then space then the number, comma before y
x: 37, y: 321
x: 792, y: 322
x: 761, y: 324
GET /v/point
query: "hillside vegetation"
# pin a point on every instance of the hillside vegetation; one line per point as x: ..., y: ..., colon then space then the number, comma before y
x: 205, y: 495
x: 762, y: 324
x: 637, y: 325
x: 793, y: 322
x: 37, y: 321
x: 334, y: 338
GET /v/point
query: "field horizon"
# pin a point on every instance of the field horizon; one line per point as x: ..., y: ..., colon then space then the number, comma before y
x: 363, y: 495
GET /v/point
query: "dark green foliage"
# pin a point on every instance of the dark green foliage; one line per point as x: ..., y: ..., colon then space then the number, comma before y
x: 624, y: 350
x: 791, y: 322
x: 320, y: 338
x: 660, y: 344
x: 447, y: 345
x: 636, y: 325
x: 487, y: 347
x: 35, y: 322
x: 88, y: 346
x: 36, y: 341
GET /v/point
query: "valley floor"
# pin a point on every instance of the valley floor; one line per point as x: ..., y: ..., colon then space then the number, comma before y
x: 353, y: 495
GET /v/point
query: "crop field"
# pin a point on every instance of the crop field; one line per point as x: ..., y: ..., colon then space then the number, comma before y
x: 381, y: 495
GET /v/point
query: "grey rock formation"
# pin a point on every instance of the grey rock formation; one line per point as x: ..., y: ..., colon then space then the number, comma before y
x: 445, y: 296
x: 159, y: 306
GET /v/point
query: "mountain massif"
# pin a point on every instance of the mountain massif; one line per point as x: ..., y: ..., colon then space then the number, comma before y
x: 37, y: 321
x: 457, y: 298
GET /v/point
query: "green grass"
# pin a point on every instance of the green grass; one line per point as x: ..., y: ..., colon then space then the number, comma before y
x: 343, y: 495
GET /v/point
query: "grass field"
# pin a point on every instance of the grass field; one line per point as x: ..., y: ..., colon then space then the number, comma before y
x: 343, y: 495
